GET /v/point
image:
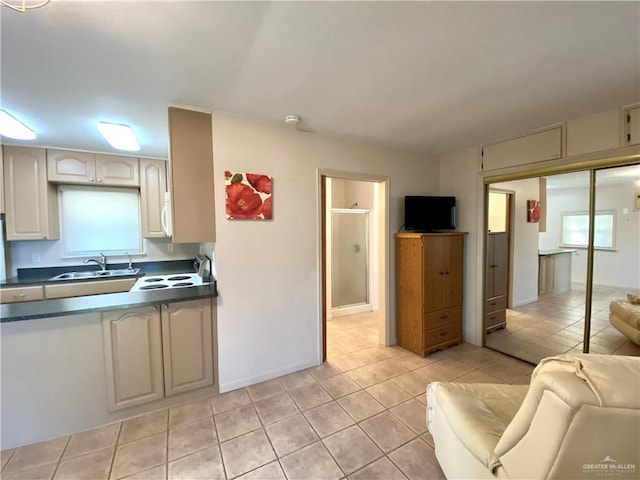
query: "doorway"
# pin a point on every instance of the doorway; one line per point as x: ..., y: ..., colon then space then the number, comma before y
x: 353, y: 255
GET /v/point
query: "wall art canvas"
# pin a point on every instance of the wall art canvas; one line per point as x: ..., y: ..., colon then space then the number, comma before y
x: 533, y: 211
x: 248, y: 196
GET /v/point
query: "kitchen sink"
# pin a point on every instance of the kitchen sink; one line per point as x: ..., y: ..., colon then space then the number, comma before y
x: 123, y: 272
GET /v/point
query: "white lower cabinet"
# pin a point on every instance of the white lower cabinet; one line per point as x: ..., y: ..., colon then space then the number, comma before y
x: 157, y: 351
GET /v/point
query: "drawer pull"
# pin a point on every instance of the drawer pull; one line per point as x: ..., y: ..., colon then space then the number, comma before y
x: 19, y: 295
x: 492, y: 318
x: 442, y: 334
x: 443, y: 317
x: 493, y: 304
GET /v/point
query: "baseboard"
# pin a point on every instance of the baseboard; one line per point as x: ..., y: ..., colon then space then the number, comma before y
x: 341, y: 312
x: 245, y: 382
x: 524, y: 302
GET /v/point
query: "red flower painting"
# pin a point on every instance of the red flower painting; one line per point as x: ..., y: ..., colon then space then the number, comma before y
x: 248, y: 196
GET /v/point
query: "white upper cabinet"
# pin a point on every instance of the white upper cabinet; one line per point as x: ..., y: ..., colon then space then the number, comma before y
x: 632, y: 121
x: 31, y: 202
x: 92, y: 169
x: 191, y: 176
x: 593, y: 133
x: 153, y: 185
x: 117, y: 171
x: 536, y: 147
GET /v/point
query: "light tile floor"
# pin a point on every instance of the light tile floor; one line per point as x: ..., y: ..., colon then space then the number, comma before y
x: 555, y: 324
x: 361, y: 414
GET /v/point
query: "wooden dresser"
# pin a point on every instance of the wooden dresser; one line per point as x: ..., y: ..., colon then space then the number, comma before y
x: 429, y: 290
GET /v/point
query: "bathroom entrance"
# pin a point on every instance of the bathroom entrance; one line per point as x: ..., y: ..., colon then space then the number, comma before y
x: 354, y: 275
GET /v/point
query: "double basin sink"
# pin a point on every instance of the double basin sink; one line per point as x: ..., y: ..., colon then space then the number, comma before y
x: 97, y: 274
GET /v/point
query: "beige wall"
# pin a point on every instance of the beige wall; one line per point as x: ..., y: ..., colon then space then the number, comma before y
x: 269, y: 272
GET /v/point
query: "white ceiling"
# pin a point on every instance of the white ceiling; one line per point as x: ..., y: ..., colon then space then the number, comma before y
x: 423, y: 76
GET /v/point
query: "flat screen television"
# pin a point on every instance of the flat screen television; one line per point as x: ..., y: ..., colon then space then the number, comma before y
x: 429, y: 214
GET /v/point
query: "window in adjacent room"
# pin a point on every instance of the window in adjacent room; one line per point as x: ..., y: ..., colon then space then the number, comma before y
x: 575, y: 229
x: 98, y: 220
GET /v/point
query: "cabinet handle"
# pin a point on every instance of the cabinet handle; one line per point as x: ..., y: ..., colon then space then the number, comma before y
x: 19, y: 295
x: 91, y: 179
x: 441, y: 273
x: 442, y: 334
x: 165, y: 306
x: 492, y: 318
x: 493, y: 304
x: 155, y: 308
x: 444, y: 317
x: 446, y: 273
x: 99, y: 180
x: 44, y: 236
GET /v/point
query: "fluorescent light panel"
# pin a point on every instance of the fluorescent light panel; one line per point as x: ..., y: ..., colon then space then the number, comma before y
x: 12, y: 128
x: 120, y: 137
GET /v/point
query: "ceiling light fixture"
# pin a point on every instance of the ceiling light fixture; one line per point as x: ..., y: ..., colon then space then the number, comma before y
x: 120, y: 137
x: 23, y: 5
x: 13, y: 128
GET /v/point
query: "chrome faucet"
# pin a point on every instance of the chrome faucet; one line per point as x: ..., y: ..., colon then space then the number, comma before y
x: 130, y: 267
x: 102, y: 262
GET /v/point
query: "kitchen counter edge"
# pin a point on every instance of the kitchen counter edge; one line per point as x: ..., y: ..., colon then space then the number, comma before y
x: 17, y: 312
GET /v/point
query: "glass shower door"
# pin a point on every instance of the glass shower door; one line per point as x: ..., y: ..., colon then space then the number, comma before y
x: 349, y: 257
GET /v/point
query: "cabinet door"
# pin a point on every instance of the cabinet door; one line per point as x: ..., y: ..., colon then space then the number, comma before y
x: 31, y: 202
x: 191, y: 173
x: 501, y: 263
x: 536, y: 147
x: 71, y: 167
x: 117, y: 171
x: 433, y: 251
x: 633, y: 126
x: 187, y: 345
x: 133, y: 355
x: 153, y: 185
x: 452, y: 258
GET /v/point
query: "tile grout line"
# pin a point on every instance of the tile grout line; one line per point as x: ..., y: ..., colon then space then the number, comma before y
x: 219, y: 443
x: 59, y: 461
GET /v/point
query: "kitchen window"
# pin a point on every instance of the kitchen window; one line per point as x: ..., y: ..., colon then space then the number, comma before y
x: 98, y: 220
x: 575, y: 229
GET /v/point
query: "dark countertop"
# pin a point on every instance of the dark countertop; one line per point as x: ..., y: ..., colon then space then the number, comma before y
x: 555, y: 251
x: 15, y: 312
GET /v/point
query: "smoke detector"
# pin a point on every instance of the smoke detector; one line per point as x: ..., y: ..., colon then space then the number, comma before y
x: 292, y: 119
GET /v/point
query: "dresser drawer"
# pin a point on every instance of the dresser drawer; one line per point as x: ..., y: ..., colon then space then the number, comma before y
x: 446, y: 333
x: 496, y: 303
x: 495, y: 319
x: 21, y: 294
x: 441, y: 317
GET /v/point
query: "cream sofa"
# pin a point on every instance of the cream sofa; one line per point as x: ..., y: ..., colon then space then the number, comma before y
x: 579, y: 419
x: 625, y: 317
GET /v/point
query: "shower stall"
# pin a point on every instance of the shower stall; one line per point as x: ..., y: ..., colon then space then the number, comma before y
x: 349, y: 260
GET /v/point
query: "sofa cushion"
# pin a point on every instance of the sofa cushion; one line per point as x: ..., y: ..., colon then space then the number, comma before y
x: 627, y: 312
x: 478, y: 413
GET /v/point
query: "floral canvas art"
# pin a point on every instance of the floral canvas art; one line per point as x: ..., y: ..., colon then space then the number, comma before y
x: 248, y: 196
x: 533, y: 211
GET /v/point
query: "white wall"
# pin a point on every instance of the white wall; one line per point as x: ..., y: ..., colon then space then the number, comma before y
x: 620, y: 268
x: 459, y: 176
x: 268, y: 271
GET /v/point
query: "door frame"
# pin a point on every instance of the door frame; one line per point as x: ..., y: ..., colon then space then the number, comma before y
x: 384, y: 327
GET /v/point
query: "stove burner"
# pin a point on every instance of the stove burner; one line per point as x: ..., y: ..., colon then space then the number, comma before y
x: 154, y: 287
x: 153, y: 279
x: 182, y: 284
x: 179, y: 277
